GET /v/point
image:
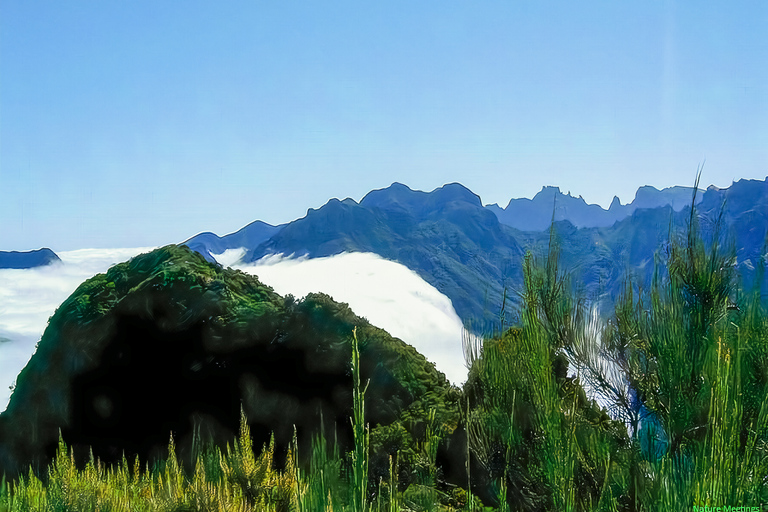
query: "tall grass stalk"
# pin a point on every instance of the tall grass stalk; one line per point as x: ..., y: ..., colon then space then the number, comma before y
x: 360, y: 432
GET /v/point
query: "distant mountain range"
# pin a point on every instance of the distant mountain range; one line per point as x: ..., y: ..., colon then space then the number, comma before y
x: 27, y: 259
x: 537, y: 214
x: 471, y: 252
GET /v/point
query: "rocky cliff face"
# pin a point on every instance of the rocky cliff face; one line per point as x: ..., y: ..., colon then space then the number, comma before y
x: 169, y: 342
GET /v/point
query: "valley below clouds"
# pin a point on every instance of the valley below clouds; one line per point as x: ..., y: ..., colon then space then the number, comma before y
x: 387, y: 293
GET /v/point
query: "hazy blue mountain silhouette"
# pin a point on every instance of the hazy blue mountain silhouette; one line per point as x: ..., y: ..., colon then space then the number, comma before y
x: 536, y: 214
x: 602, y: 258
x: 744, y: 222
x: 249, y: 236
x: 27, y: 259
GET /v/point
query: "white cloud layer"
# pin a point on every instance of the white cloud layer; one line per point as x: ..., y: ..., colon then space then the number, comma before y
x: 28, y: 298
x: 388, y: 294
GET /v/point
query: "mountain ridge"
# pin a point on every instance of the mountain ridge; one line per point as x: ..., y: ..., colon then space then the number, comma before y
x: 470, y: 241
x: 525, y: 214
x: 465, y: 250
x: 536, y: 214
x: 27, y: 259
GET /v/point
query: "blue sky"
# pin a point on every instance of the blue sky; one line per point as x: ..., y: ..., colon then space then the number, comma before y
x: 126, y: 124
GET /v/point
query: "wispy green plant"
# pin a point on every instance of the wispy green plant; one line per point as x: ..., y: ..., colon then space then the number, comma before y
x: 361, y: 434
x: 693, y: 409
x: 324, y: 489
x: 530, y: 425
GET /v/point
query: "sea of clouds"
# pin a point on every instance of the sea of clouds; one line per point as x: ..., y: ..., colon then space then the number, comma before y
x: 388, y: 294
x: 28, y: 298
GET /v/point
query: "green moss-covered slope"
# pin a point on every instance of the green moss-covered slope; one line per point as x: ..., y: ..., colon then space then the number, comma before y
x: 168, y: 342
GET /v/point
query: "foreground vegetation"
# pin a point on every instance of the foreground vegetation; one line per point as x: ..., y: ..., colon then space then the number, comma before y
x: 681, y: 370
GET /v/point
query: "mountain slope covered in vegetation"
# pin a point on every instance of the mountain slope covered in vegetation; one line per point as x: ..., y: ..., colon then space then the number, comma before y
x: 168, y: 342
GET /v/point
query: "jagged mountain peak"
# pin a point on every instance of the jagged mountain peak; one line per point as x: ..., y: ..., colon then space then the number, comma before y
x: 456, y: 192
x: 395, y: 197
x: 537, y: 213
x: 547, y: 192
x: 334, y: 206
